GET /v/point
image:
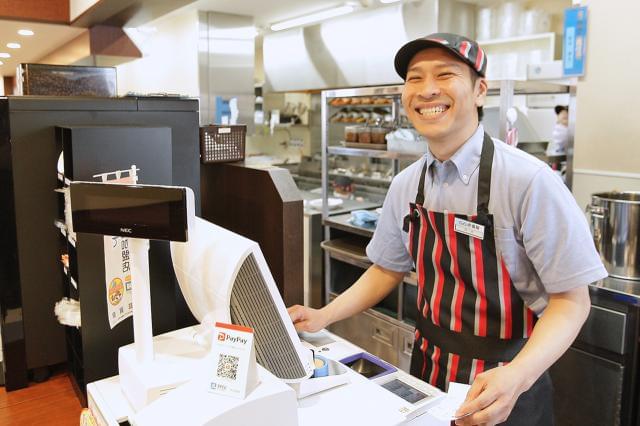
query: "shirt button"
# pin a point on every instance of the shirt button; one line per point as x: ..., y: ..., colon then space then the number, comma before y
x: 446, y: 185
x: 465, y: 177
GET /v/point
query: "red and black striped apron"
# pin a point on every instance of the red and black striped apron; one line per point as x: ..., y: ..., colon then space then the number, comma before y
x: 470, y: 316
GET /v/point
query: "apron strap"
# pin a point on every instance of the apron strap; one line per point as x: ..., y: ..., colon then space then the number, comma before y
x: 490, y: 349
x: 484, y: 179
x: 420, y: 195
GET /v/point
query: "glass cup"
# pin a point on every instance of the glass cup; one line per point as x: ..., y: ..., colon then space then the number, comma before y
x: 351, y: 134
x: 378, y: 135
x: 364, y: 134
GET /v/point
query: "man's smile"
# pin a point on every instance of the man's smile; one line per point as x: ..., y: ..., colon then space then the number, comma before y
x: 432, y: 110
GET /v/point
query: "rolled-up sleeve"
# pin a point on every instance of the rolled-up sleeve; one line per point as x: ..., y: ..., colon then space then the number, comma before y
x: 556, y: 236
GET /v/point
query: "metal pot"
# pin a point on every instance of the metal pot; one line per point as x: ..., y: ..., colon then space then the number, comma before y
x: 615, y: 225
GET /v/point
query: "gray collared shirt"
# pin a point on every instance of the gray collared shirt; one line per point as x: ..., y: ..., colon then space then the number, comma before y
x: 540, y: 231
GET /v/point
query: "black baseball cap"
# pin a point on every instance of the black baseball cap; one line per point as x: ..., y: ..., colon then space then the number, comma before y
x: 469, y: 51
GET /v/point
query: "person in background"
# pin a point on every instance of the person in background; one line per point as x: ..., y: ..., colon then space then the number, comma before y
x: 502, y: 253
x: 343, y: 187
x: 557, y: 148
x: 560, y: 134
x: 562, y: 112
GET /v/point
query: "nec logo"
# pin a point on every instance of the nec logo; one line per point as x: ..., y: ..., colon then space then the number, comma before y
x: 125, y: 230
x: 223, y: 337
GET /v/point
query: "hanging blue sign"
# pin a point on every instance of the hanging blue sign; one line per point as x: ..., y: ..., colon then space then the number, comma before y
x: 574, y: 48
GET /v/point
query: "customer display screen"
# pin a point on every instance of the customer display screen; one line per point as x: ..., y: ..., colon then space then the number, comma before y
x: 151, y: 212
x: 404, y: 391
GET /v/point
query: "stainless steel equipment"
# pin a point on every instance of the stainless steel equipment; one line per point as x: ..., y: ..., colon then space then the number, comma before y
x: 599, y: 372
x: 615, y: 218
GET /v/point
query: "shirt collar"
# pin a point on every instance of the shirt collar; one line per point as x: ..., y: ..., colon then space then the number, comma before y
x: 466, y: 158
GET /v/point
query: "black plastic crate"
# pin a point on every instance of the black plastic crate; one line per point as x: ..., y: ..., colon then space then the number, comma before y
x: 219, y: 143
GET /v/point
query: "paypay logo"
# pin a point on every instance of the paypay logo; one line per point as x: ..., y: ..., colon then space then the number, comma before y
x: 223, y: 337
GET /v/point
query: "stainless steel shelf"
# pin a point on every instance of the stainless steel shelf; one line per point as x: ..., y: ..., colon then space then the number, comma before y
x: 367, y: 106
x: 364, y: 179
x: 342, y: 222
x: 345, y: 250
x: 365, y: 91
x: 372, y: 311
x: 372, y: 153
x: 531, y: 87
x: 521, y: 87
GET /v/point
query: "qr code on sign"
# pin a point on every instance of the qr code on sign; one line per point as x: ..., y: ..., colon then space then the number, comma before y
x: 228, y: 366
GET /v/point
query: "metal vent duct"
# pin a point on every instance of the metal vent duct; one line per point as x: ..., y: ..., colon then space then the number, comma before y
x: 358, y: 49
x: 252, y: 306
x: 226, y: 49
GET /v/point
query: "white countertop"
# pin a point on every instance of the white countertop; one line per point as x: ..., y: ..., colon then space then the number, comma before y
x: 360, y: 401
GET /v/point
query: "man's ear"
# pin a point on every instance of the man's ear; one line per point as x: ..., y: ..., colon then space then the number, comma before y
x: 481, y: 91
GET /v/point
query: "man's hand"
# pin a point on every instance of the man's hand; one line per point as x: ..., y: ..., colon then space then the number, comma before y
x: 495, y: 392
x: 373, y: 286
x: 492, y: 396
x: 308, y: 319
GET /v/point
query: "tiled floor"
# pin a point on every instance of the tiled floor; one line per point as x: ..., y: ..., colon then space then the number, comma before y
x: 53, y: 402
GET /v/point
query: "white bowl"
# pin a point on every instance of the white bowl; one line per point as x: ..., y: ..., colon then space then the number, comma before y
x: 332, y: 202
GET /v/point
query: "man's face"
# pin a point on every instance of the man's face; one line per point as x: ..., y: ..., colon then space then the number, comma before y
x: 440, y: 98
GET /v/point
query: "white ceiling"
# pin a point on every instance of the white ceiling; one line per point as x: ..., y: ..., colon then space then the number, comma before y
x: 47, y: 37
x: 267, y: 11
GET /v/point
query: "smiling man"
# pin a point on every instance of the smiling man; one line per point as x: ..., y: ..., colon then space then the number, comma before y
x: 502, y: 252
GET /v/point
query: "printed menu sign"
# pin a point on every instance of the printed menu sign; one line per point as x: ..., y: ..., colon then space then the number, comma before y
x: 235, y: 372
x: 117, y: 268
x: 117, y: 265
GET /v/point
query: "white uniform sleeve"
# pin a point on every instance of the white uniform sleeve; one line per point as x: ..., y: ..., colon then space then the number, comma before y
x: 556, y: 236
x: 387, y: 247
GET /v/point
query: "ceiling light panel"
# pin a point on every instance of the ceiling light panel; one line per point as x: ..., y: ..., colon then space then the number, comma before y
x: 4, y: 55
x: 313, y: 17
x: 13, y: 45
x: 25, y: 32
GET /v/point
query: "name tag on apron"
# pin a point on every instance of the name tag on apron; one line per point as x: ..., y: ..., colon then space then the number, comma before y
x: 468, y: 228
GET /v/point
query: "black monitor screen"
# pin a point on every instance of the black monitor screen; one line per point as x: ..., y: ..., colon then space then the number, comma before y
x: 140, y: 211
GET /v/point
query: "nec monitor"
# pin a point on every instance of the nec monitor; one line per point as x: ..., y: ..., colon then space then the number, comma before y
x: 138, y: 211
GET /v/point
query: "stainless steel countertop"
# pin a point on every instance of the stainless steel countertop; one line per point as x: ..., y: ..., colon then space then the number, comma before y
x: 346, y: 206
x: 626, y: 291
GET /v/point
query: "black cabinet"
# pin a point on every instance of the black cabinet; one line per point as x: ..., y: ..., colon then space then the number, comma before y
x: 30, y: 244
x: 588, y: 388
x: 89, y: 151
x: 596, y: 380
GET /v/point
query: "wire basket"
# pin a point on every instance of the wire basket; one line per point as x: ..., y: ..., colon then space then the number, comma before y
x: 220, y: 143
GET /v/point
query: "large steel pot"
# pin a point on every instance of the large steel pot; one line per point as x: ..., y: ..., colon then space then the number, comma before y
x: 615, y: 225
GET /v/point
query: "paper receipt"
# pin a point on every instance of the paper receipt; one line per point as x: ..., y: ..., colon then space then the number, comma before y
x: 446, y: 409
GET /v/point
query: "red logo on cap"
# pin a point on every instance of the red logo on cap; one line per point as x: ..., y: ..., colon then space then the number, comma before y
x: 464, y: 49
